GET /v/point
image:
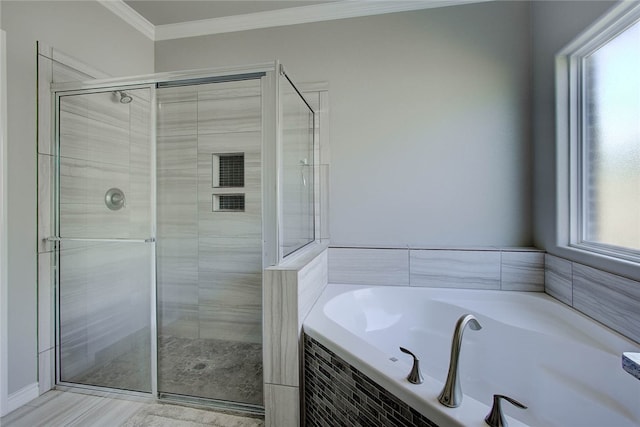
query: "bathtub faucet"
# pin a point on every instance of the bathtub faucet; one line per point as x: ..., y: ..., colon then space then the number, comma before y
x: 451, y: 394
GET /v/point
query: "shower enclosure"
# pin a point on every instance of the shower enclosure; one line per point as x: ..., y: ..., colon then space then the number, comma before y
x: 172, y: 193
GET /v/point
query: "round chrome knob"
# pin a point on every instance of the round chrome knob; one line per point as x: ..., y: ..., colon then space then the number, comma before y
x: 114, y: 199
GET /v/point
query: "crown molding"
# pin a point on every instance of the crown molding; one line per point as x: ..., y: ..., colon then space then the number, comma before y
x: 273, y: 18
x: 131, y: 17
x: 295, y: 15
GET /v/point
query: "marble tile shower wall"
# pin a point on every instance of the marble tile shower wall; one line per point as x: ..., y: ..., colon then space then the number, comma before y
x: 209, y: 263
x: 508, y: 269
x: 103, y: 144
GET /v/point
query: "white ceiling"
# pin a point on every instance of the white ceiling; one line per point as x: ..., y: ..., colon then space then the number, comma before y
x: 171, y: 12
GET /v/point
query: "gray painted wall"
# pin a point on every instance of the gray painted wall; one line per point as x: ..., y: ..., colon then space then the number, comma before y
x: 555, y: 24
x: 92, y: 34
x: 430, y: 118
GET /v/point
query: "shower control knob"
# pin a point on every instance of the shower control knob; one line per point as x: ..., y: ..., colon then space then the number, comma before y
x: 114, y: 199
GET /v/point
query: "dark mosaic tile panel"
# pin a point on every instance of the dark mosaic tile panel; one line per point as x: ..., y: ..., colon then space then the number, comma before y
x: 337, y: 394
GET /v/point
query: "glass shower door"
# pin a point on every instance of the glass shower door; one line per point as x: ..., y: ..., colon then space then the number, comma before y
x: 104, y: 229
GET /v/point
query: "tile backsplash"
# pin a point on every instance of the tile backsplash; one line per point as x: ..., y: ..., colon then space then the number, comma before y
x: 505, y: 269
x: 608, y: 298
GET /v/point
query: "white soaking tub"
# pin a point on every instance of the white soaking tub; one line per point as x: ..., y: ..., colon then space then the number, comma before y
x: 564, y: 366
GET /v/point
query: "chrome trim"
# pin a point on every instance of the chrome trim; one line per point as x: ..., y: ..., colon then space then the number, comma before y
x: 163, y: 77
x: 78, y: 239
x: 227, y: 405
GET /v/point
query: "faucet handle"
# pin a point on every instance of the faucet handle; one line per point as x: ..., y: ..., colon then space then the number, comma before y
x: 496, y: 417
x: 414, y: 377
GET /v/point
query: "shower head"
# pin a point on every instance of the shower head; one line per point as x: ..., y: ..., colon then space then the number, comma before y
x: 125, y: 98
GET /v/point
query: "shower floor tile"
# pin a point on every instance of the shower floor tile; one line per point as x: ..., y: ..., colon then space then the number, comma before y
x: 196, y: 367
x: 210, y: 368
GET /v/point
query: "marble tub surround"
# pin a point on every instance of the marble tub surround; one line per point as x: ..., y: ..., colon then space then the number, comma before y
x: 631, y: 363
x: 517, y: 269
x: 608, y: 298
x: 290, y: 290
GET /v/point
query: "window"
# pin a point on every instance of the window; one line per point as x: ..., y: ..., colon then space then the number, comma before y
x: 598, y: 78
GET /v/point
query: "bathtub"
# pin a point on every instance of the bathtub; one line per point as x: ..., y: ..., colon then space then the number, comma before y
x: 564, y: 366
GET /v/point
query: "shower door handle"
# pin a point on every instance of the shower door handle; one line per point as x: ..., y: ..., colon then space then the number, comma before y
x: 78, y: 239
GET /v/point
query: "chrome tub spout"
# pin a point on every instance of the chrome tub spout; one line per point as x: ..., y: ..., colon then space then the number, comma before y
x: 451, y: 395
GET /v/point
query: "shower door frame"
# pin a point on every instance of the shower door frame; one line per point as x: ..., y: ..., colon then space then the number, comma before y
x: 271, y: 187
x: 57, y: 239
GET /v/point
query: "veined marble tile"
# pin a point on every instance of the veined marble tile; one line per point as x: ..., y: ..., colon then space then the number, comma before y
x: 88, y: 138
x: 177, y: 186
x: 369, y: 266
x: 178, y: 295
x: 230, y: 288
x: 99, y: 107
x: 234, y: 142
x: 177, y: 118
x: 522, y: 271
x: 177, y: 220
x: 177, y: 152
x: 177, y: 94
x: 177, y: 209
x: 226, y: 90
x: 455, y: 269
x: 234, y: 323
x: 104, y: 297
x: 245, y: 225
x: 558, y: 278
x: 229, y: 115
x: 177, y: 263
x: 282, y: 405
x: 178, y: 321
x: 230, y: 255
x: 312, y: 280
x: 94, y: 221
x: 86, y: 182
x: 281, y: 330
x: 140, y: 112
x: 610, y: 299
x: 170, y: 247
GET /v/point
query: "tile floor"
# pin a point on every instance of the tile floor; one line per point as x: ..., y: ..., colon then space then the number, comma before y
x: 64, y: 408
x: 207, y: 368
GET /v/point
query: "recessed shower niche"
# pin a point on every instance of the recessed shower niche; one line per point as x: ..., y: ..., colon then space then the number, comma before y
x: 167, y: 208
